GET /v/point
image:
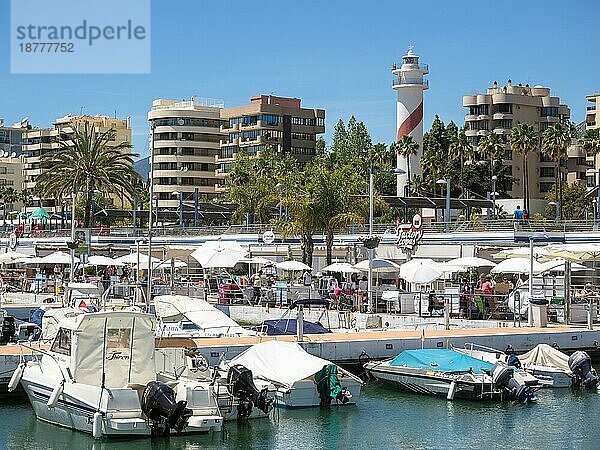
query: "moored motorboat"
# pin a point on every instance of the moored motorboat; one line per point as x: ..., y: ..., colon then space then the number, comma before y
x: 549, y: 365
x: 99, y: 376
x: 296, y: 378
x: 451, y: 374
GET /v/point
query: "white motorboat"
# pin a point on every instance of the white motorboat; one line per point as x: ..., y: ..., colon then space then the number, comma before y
x: 549, y: 365
x: 183, y: 316
x: 100, y: 377
x: 296, y: 378
x: 451, y: 374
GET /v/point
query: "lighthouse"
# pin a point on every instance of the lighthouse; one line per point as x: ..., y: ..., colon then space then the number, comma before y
x: 408, y: 82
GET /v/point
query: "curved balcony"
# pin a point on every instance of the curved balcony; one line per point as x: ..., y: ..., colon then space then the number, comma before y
x: 482, y: 132
x: 471, y: 133
x: 501, y: 116
x: 483, y: 117
x: 471, y: 117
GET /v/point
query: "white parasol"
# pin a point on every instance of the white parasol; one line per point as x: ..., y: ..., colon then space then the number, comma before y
x: 421, y: 270
x: 219, y: 253
x: 378, y: 265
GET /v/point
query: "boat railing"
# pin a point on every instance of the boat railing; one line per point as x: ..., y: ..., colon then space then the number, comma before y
x: 473, y: 346
x: 35, y: 351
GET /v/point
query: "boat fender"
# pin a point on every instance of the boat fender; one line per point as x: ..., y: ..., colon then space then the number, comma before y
x: 451, y: 390
x: 56, y: 392
x: 97, y: 425
x: 16, y: 377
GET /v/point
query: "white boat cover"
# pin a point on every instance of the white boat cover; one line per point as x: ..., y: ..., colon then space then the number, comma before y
x: 547, y: 356
x: 116, y: 345
x: 282, y: 362
x: 174, y: 308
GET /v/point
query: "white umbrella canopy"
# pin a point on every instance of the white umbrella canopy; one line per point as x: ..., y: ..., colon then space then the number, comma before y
x: 471, y: 261
x: 99, y: 260
x: 378, y: 265
x: 421, y: 271
x: 516, y: 265
x: 132, y: 258
x: 575, y: 252
x: 57, y: 258
x: 257, y: 260
x: 523, y: 252
x: 10, y: 256
x: 341, y: 267
x: 215, y: 254
x: 166, y: 264
x: 292, y: 265
x: 558, y: 265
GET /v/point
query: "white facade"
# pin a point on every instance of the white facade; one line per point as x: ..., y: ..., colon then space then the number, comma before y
x: 409, y: 83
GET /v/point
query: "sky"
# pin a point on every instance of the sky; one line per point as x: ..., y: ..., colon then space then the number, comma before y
x: 335, y: 55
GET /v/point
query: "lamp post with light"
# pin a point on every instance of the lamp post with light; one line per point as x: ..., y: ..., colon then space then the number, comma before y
x: 447, y: 213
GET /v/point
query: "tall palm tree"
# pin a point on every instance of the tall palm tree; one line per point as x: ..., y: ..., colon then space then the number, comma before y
x: 524, y: 139
x: 492, y: 147
x: 88, y: 160
x: 555, y: 142
x: 461, y: 149
x: 406, y: 147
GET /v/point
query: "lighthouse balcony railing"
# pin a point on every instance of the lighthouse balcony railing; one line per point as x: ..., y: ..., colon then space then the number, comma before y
x: 423, y: 67
x: 407, y: 81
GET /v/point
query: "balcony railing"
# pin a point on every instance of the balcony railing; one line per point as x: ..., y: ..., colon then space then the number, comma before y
x: 423, y: 67
x: 407, y: 82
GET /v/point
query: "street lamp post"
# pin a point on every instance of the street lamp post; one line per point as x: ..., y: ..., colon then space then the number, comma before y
x: 371, y: 242
x: 494, y: 178
x: 596, y: 174
x: 180, y: 194
x: 196, y: 195
x: 447, y: 213
x: 555, y: 210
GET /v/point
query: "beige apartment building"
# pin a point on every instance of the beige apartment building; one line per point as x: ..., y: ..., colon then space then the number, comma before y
x: 39, y: 141
x: 503, y: 107
x: 187, y: 135
x: 278, y: 122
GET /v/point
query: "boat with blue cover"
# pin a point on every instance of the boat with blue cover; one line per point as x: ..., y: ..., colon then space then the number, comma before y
x: 451, y: 374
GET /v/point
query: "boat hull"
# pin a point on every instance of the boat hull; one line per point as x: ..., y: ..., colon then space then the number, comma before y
x: 72, y: 412
x: 468, y: 387
x: 549, y: 377
x: 304, y: 394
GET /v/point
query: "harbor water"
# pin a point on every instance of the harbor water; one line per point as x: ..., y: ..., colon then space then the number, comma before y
x: 385, y: 418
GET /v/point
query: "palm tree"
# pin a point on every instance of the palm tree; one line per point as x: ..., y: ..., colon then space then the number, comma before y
x: 555, y: 142
x: 461, y: 149
x: 524, y: 139
x: 492, y: 147
x: 86, y: 161
x: 590, y: 141
x: 406, y: 147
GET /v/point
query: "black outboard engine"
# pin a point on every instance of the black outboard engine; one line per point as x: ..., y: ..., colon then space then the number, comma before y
x: 8, y: 328
x: 513, y: 361
x: 244, y: 389
x: 158, y: 403
x: 503, y: 378
x: 580, y: 364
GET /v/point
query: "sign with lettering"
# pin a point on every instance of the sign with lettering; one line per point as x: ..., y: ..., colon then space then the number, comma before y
x: 410, y: 234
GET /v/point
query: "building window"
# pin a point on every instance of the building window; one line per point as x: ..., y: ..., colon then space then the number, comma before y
x: 479, y: 110
x: 508, y: 155
x: 549, y: 111
x: 311, y: 122
x: 581, y: 176
x: 504, y: 108
x: 545, y: 186
x: 545, y: 158
x: 270, y: 119
x: 504, y: 123
x: 547, y: 172
x: 187, y: 122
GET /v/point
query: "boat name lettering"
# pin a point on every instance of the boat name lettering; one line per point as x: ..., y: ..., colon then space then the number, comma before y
x: 116, y: 356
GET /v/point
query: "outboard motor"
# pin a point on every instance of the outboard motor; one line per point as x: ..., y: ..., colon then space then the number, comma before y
x: 503, y: 377
x: 8, y: 328
x: 513, y: 361
x: 244, y: 389
x: 158, y: 403
x: 580, y: 364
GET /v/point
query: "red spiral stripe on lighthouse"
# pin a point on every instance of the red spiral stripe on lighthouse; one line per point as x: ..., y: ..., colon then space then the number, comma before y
x: 411, y: 122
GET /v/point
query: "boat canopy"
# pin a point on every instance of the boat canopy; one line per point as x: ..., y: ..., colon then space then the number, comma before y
x: 281, y: 362
x: 176, y: 308
x: 52, y: 318
x: 545, y: 355
x: 279, y: 327
x: 111, y: 349
x: 440, y: 360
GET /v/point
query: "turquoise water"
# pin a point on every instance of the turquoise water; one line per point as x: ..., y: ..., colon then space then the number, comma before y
x: 385, y: 418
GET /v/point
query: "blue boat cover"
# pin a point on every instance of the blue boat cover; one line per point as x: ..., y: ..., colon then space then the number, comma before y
x: 440, y: 360
x: 278, y: 327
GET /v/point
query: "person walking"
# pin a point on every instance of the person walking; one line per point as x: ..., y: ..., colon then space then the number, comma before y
x: 256, y: 281
x: 518, y: 218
